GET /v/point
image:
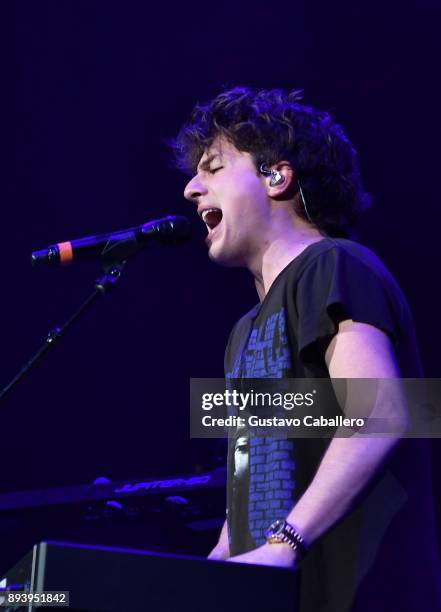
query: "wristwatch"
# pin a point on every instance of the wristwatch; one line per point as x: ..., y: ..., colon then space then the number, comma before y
x: 282, y: 531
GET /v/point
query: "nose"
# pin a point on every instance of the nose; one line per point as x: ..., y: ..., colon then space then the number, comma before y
x: 194, y: 190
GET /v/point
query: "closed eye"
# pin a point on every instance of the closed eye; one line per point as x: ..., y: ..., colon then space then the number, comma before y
x: 214, y: 170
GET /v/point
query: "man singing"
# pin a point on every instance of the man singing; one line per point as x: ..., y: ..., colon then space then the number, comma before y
x: 278, y: 186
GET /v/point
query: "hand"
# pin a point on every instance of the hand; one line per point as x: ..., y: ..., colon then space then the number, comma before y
x: 277, y: 555
x: 219, y: 553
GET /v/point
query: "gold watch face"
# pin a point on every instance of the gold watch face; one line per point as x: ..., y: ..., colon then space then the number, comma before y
x: 274, y: 533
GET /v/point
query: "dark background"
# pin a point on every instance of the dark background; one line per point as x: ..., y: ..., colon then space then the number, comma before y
x: 91, y: 91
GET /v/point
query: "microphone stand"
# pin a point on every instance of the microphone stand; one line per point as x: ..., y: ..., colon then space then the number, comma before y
x: 113, y: 260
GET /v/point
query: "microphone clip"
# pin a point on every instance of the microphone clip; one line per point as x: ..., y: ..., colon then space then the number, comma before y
x: 112, y: 274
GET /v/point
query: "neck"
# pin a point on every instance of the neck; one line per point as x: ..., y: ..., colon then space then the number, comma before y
x: 278, y: 252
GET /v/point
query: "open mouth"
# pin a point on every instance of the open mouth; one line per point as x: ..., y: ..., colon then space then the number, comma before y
x: 211, y: 217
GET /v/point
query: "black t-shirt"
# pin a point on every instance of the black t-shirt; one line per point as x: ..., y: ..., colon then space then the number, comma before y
x: 368, y: 560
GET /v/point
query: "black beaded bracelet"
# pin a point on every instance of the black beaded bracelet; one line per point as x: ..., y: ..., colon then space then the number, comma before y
x: 294, y: 539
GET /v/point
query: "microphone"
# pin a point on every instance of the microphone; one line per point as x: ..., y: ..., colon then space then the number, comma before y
x: 168, y: 230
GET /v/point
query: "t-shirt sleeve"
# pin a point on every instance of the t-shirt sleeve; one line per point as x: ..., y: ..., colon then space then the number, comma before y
x: 336, y: 286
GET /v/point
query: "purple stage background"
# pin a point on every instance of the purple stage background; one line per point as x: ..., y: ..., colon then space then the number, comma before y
x: 96, y: 88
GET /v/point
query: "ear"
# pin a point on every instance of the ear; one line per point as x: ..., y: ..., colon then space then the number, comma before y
x: 284, y: 188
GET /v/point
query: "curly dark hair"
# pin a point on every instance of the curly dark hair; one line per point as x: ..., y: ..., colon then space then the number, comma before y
x: 273, y: 125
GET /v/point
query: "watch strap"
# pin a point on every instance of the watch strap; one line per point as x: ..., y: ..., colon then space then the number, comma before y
x: 287, y: 533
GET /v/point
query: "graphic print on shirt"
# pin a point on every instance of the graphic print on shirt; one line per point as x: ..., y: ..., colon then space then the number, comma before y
x: 266, y: 354
x: 271, y: 461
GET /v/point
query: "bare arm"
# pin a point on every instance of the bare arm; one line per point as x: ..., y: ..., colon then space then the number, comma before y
x: 357, y: 351
x: 222, y: 549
